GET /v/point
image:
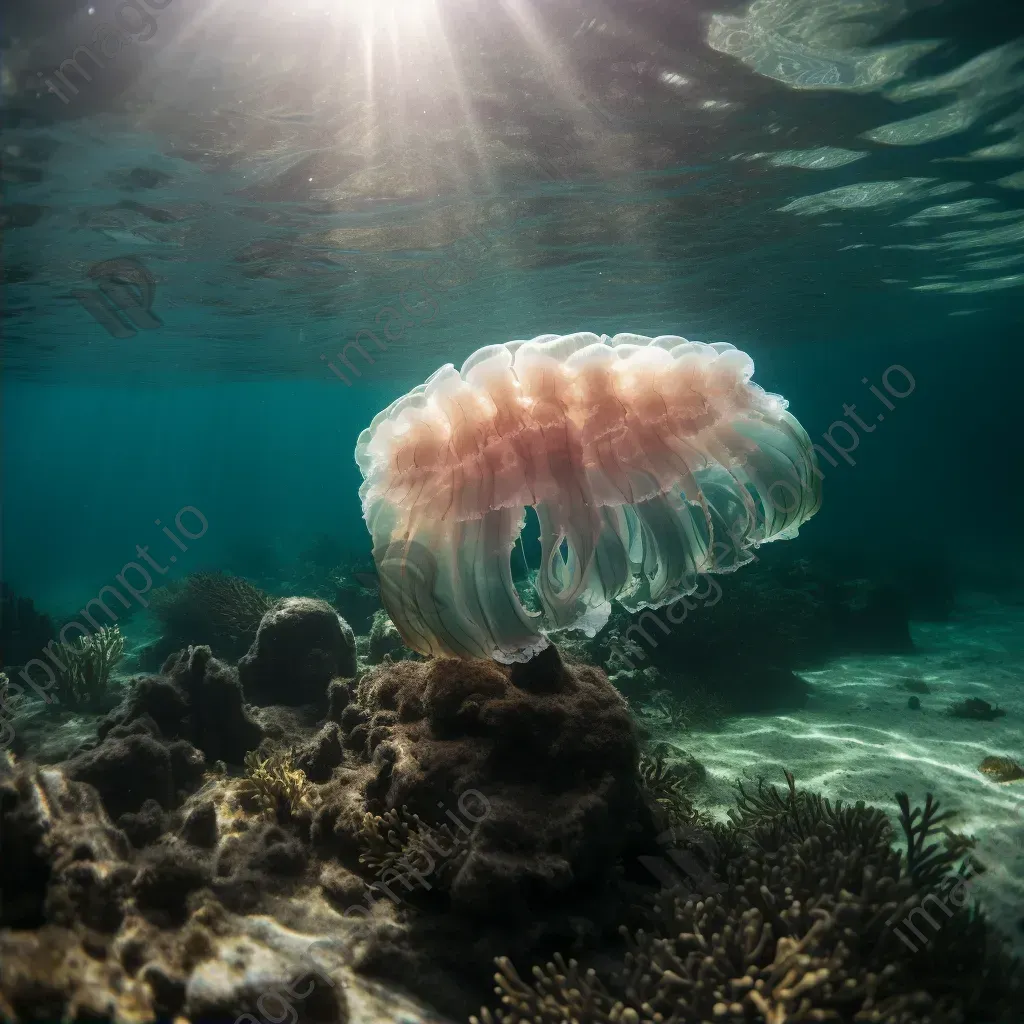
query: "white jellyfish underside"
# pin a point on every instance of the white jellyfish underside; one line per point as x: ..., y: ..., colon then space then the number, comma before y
x: 648, y: 461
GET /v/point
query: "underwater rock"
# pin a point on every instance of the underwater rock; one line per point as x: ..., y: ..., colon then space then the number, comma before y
x: 547, y: 776
x: 91, y: 929
x: 251, y: 980
x: 198, y: 699
x: 976, y: 708
x: 52, y: 975
x: 339, y: 696
x: 256, y: 861
x: 1001, y: 769
x: 322, y: 754
x: 384, y: 638
x: 162, y: 887
x: 200, y: 825
x: 145, y: 825
x: 914, y: 703
x: 219, y: 723
x: 128, y: 770
x: 54, y: 832
x: 301, y: 645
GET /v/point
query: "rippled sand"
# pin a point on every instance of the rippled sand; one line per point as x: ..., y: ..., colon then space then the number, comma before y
x: 858, y: 740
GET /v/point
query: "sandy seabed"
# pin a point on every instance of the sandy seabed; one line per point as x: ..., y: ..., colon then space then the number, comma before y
x: 858, y: 740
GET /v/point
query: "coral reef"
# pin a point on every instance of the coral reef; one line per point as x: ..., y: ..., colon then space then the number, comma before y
x: 211, y: 609
x: 277, y: 787
x: 496, y: 801
x: 301, y: 645
x: 534, y: 769
x: 94, y: 930
x: 431, y: 732
x: 385, y: 640
x: 319, y: 756
x: 198, y: 699
x: 84, y: 669
x: 806, y: 927
x: 439, y: 812
x: 156, y: 746
x: 668, y: 778
x: 135, y: 764
x: 399, y: 838
x: 24, y: 632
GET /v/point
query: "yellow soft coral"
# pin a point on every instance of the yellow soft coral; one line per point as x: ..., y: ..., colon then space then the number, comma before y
x: 277, y: 785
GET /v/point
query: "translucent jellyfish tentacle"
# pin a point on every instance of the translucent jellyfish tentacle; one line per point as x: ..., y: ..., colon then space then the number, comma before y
x: 647, y: 461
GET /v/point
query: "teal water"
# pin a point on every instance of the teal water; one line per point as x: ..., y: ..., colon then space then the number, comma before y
x: 834, y: 189
x: 233, y: 233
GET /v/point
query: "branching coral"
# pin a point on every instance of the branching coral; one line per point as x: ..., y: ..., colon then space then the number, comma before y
x: 400, y: 838
x: 697, y: 708
x: 280, y: 788
x: 211, y: 608
x: 562, y: 993
x: 85, y: 666
x: 668, y: 787
x: 805, y: 928
x: 928, y: 863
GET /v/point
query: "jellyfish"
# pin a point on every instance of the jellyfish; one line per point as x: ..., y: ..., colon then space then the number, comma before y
x: 648, y: 462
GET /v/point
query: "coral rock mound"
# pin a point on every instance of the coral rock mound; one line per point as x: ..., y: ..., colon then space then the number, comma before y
x: 532, y: 768
x: 301, y: 645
